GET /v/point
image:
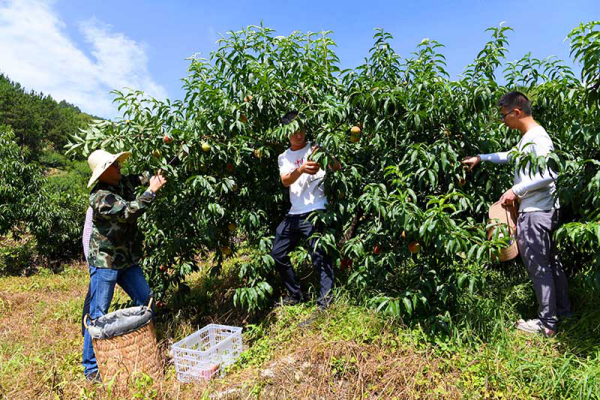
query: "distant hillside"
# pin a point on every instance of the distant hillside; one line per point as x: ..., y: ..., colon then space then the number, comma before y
x: 38, y: 121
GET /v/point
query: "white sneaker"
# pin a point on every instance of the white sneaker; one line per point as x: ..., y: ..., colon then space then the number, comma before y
x: 534, y: 326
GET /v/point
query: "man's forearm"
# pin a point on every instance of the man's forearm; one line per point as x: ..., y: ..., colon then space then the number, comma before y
x: 112, y: 207
x: 290, y: 178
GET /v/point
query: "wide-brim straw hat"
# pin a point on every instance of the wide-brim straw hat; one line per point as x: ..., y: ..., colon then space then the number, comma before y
x: 500, y: 215
x: 100, y: 160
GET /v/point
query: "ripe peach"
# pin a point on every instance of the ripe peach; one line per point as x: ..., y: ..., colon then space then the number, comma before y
x: 414, y: 247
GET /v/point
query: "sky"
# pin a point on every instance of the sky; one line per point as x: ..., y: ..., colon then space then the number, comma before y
x: 79, y: 51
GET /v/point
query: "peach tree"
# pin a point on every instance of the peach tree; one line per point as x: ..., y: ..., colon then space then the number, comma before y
x: 18, y: 180
x: 29, y: 207
x: 406, y: 223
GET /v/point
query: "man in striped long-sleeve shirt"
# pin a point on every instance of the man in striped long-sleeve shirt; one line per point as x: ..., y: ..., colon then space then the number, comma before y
x: 538, y: 215
x: 85, y: 241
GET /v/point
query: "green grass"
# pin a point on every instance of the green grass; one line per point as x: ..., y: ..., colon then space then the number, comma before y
x: 46, y: 280
x: 350, y: 351
x: 508, y: 364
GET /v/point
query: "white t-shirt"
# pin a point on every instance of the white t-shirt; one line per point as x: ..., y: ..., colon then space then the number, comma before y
x: 307, y: 193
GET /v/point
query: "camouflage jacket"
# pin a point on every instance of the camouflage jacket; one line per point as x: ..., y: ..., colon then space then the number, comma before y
x: 115, y: 242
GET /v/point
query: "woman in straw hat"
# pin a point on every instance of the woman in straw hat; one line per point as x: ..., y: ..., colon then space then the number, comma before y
x: 538, y: 215
x: 114, y: 246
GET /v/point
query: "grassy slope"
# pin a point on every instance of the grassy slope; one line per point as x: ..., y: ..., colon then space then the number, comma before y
x: 348, y: 353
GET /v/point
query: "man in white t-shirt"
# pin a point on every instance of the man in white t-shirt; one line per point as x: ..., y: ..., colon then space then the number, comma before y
x: 304, y: 178
x: 538, y: 215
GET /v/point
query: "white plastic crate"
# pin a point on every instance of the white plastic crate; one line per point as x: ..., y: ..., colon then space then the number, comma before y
x: 202, y: 354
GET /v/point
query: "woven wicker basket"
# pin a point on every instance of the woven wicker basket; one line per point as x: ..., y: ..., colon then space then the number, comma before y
x: 126, y: 354
x: 500, y: 215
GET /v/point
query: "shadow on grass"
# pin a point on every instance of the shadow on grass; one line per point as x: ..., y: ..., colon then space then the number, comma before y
x: 580, y: 333
x: 209, y: 299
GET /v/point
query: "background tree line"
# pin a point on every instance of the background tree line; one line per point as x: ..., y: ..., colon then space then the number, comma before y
x: 38, y: 121
x: 42, y: 191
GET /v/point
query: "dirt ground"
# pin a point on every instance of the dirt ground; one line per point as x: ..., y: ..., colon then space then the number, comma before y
x: 41, y: 341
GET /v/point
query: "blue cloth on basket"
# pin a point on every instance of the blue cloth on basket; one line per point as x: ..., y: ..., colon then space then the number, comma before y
x: 119, y: 322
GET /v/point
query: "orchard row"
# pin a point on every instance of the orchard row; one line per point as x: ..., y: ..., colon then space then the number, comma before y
x: 406, y: 223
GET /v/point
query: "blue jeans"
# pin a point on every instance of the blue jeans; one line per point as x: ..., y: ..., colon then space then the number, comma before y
x: 101, y: 290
